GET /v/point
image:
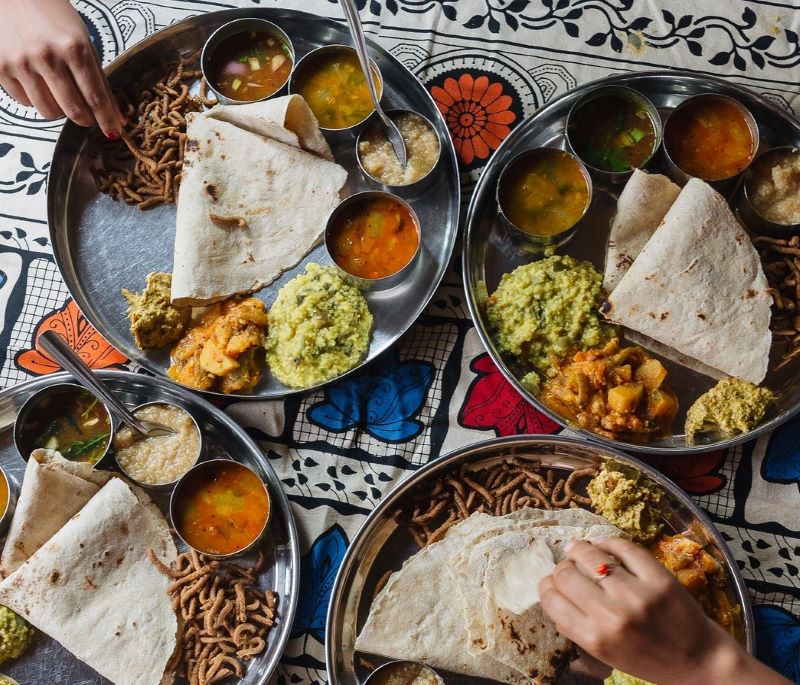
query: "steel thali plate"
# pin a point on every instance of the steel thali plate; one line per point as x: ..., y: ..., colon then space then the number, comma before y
x: 46, y: 660
x: 101, y: 245
x: 488, y: 253
x: 383, y: 543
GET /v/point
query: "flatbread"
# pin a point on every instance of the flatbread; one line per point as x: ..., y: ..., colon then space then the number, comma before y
x: 419, y: 615
x: 249, y: 209
x: 92, y: 588
x: 54, y: 489
x: 642, y: 205
x: 699, y: 288
x: 287, y: 119
x: 437, y: 608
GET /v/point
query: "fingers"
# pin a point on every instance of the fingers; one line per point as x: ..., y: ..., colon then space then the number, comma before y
x: 95, y: 91
x: 636, y: 560
x: 65, y: 92
x: 15, y: 90
x: 592, y: 560
x: 563, y: 612
x: 41, y: 97
x: 572, y: 583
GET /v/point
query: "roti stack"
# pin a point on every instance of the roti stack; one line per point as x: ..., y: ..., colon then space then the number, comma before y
x: 256, y: 190
x: 698, y: 288
x: 444, y: 607
x: 91, y: 585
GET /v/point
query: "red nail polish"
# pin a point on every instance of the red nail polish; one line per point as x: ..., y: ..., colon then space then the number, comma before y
x: 112, y: 135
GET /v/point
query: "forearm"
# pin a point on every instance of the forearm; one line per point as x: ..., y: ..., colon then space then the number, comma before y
x: 727, y: 664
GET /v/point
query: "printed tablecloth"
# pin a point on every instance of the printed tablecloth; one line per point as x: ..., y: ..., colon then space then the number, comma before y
x: 488, y: 64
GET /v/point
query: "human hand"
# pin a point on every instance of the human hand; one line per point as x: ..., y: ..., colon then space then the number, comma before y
x: 47, y: 60
x: 640, y: 620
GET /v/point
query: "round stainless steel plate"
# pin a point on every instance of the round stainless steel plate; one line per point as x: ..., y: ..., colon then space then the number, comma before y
x: 101, y: 245
x: 382, y: 544
x: 224, y: 439
x: 488, y: 254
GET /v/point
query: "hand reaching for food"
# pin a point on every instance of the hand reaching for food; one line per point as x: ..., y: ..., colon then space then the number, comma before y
x: 621, y: 606
x: 47, y: 61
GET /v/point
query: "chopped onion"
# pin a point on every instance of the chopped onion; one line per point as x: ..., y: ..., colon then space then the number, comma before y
x: 277, y: 60
x: 255, y: 65
x: 236, y: 83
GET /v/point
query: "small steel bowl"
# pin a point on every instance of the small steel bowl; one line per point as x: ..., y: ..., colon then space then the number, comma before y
x: 233, y: 28
x: 197, y: 471
x: 374, y: 677
x: 719, y: 184
x: 319, y: 53
x: 626, y: 93
x: 24, y: 444
x: 385, y: 282
x: 161, y: 487
x: 392, y: 113
x: 751, y: 216
x: 11, y: 502
x: 528, y: 241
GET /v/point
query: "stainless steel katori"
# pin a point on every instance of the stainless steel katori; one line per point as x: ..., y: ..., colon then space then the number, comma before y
x: 224, y: 439
x: 383, y: 543
x: 101, y: 245
x: 488, y: 253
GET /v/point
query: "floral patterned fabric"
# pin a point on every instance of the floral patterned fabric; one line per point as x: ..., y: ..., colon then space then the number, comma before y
x: 488, y: 64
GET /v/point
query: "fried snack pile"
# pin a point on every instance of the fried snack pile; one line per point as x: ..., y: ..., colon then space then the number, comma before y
x: 156, y: 139
x: 496, y: 489
x: 226, y: 617
x: 781, y: 260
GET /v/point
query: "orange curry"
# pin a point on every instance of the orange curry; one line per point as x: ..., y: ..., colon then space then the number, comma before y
x: 223, y: 509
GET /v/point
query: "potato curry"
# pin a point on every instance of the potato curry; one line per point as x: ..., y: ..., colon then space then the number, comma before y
x: 617, y: 393
x: 701, y: 574
x: 219, y: 351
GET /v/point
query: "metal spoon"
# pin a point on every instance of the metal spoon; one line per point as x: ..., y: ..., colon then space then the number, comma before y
x: 69, y: 361
x: 360, y: 44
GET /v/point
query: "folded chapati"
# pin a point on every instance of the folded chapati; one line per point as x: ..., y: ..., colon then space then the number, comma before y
x: 53, y: 491
x: 440, y: 608
x: 698, y: 287
x: 92, y: 588
x: 250, y: 207
x: 642, y: 205
x: 287, y: 119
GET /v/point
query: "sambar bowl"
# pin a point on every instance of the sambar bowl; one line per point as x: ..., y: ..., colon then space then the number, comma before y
x: 239, y: 27
x: 346, y: 217
x: 752, y: 215
x: 509, y: 181
x: 11, y: 500
x: 214, y: 500
x: 587, y: 104
x: 313, y: 61
x: 123, y: 432
x: 31, y: 425
x: 680, y: 170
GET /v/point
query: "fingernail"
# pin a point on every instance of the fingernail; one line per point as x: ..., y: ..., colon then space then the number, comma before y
x: 594, y: 541
x: 570, y: 545
x: 112, y: 135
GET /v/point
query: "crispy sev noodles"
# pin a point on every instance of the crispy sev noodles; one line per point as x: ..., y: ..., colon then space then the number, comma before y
x: 149, y: 172
x: 226, y: 617
x: 496, y: 489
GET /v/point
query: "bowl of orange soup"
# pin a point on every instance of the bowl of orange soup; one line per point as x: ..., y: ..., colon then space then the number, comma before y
x: 374, y: 238
x: 247, y: 60
x: 220, y: 508
x: 711, y: 137
x: 8, y: 501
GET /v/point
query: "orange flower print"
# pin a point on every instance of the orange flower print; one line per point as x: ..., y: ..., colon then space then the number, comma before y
x: 72, y: 326
x: 477, y: 113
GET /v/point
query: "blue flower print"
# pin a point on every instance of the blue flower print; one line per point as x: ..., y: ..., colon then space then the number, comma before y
x: 782, y: 461
x: 381, y: 403
x: 317, y: 574
x: 778, y: 640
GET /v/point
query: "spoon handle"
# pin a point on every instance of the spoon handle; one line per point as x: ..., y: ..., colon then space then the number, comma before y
x: 360, y: 44
x: 69, y: 361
